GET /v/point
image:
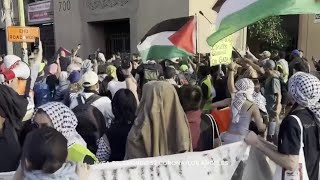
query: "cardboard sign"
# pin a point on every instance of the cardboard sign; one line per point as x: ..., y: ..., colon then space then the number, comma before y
x: 23, y: 34
x: 40, y: 11
x: 221, y: 52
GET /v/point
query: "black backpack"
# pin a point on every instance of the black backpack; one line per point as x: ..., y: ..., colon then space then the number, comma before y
x: 284, y: 90
x: 91, y: 122
x: 209, y: 133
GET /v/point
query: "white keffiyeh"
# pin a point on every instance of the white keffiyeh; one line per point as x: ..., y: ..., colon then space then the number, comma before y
x: 260, y: 101
x: 64, y: 121
x: 304, y: 89
x: 245, y: 89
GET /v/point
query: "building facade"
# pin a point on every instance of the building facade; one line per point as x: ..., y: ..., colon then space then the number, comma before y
x: 118, y: 25
x: 309, y: 39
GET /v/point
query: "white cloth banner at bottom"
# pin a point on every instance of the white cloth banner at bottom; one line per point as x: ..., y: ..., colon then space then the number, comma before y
x: 220, y: 163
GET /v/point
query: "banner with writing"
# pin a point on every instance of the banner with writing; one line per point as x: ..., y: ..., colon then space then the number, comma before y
x: 222, y: 163
x: 221, y: 52
x: 219, y: 164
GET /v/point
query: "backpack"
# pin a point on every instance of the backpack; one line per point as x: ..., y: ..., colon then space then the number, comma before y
x: 91, y: 123
x: 284, y: 90
x: 150, y: 75
x: 42, y: 93
x: 209, y: 133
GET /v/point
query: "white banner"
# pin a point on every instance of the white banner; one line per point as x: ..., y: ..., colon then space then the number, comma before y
x: 220, y: 163
x: 40, y: 11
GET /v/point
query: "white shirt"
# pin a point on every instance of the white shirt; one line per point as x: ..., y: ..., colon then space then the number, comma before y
x: 103, y: 104
x: 114, y: 86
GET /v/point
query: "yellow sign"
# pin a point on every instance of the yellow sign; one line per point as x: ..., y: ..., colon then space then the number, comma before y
x: 221, y: 53
x: 22, y: 34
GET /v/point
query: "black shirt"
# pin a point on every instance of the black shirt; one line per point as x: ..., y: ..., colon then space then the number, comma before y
x: 10, y: 149
x: 289, y: 140
x: 117, y: 137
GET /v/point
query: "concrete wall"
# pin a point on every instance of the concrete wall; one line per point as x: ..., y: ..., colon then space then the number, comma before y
x: 309, y: 39
x: 205, y: 29
x: 68, y: 25
x: 79, y: 24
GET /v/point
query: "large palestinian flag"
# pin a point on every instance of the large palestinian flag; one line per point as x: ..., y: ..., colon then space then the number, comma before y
x: 170, y: 39
x: 234, y: 15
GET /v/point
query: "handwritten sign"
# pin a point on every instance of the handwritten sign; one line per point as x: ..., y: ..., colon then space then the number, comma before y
x: 221, y: 52
x: 23, y: 34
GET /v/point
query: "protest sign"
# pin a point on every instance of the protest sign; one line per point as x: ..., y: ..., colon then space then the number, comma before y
x: 23, y: 34
x: 40, y: 11
x: 220, y: 163
x: 221, y: 52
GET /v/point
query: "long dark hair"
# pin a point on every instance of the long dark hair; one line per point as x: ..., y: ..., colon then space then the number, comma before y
x: 124, y: 106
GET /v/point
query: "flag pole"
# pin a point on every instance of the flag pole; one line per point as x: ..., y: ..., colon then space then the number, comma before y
x: 197, y: 37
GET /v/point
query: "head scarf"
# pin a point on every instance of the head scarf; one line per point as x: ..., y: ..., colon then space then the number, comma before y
x: 112, y: 71
x: 64, y: 121
x: 86, y: 66
x: 260, y: 101
x: 102, y: 57
x: 12, y: 106
x: 161, y: 126
x: 74, y: 77
x: 184, y: 68
x: 245, y: 89
x: 63, y: 76
x: 73, y: 67
x: 304, y: 89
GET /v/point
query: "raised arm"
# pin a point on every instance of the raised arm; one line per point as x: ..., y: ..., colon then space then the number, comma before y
x: 222, y: 104
x: 254, y: 66
x: 231, y: 71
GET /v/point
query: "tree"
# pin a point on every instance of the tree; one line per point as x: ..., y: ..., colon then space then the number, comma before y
x: 268, y: 34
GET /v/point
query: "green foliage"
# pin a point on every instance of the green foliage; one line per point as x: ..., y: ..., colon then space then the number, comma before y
x: 269, y: 32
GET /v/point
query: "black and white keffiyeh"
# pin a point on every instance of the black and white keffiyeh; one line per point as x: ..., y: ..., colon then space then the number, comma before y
x: 304, y: 89
x: 64, y: 121
x: 104, y: 150
x: 245, y: 89
x: 260, y: 101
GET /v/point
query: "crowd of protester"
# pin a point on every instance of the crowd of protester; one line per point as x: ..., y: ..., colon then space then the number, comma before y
x: 57, y: 116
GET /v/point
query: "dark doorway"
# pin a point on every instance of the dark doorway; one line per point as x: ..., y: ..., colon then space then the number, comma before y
x: 47, y: 39
x: 117, y: 34
x: 291, y: 26
x: 3, y: 45
x: 114, y: 35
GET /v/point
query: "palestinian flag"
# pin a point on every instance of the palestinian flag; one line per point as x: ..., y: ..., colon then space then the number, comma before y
x: 170, y: 39
x: 233, y: 15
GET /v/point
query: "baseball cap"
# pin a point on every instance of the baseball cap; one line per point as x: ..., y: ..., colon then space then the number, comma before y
x: 74, y: 77
x: 89, y: 79
x: 296, y: 52
x: 266, y: 54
